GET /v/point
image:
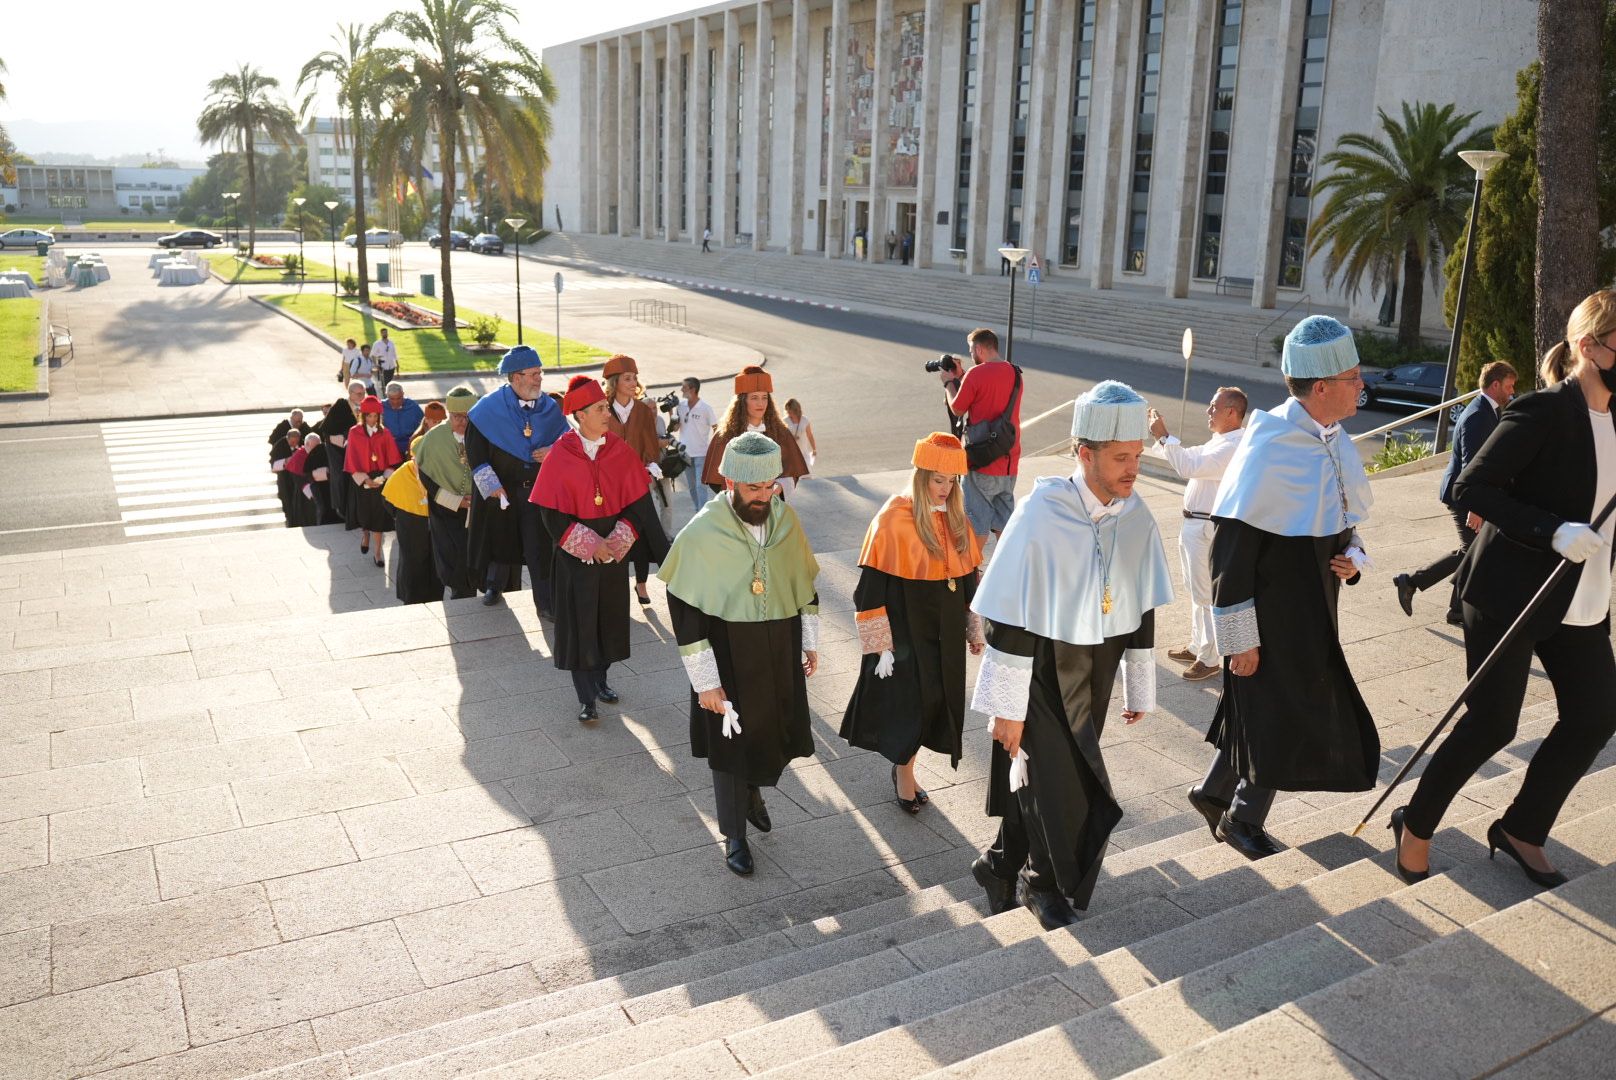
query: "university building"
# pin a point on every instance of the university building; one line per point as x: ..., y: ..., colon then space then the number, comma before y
x: 1166, y: 144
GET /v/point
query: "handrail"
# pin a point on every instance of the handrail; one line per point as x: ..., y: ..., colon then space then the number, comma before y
x: 1383, y: 429
x: 1256, y: 339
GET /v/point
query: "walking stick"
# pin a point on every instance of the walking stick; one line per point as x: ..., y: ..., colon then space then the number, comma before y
x: 1504, y: 642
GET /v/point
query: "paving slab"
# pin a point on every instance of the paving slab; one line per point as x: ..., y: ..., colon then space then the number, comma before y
x: 68, y: 1035
x: 65, y: 714
x: 317, y: 791
x: 221, y: 763
x: 410, y: 1013
x: 426, y: 820
x: 25, y: 965
x: 137, y: 738
x: 24, y: 842
x: 370, y: 891
x: 232, y: 1058
x: 672, y: 888
x: 206, y: 863
x: 141, y: 822
x: 594, y: 785
x: 482, y: 761
x: 57, y: 892
x: 24, y: 754
x: 527, y: 856
x: 60, y: 790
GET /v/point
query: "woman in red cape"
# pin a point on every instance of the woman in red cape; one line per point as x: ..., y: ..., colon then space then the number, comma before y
x: 595, y: 497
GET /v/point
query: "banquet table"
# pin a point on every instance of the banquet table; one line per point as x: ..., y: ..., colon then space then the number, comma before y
x: 160, y: 258
x: 100, y: 268
x: 84, y: 275
x: 13, y: 289
x: 179, y: 274
x: 17, y: 275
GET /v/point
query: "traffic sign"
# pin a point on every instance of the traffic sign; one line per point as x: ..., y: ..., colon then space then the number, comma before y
x: 558, y: 282
x: 1034, y: 275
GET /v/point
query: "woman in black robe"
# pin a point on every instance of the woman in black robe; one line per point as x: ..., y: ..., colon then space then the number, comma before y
x: 372, y: 457
x: 334, y: 427
x: 285, y: 482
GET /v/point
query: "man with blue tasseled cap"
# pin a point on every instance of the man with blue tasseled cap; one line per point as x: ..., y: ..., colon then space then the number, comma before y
x: 509, y: 434
x: 1069, y: 601
x: 1284, y: 539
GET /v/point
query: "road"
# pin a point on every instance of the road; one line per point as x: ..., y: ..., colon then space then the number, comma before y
x: 859, y: 377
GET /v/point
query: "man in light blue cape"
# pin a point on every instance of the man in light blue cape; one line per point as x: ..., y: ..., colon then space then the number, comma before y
x: 1068, y: 599
x: 1284, y: 539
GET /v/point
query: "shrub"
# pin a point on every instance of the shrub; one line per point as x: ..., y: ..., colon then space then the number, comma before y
x: 485, y: 329
x: 1382, y: 350
x: 1399, y: 450
x: 293, y: 265
x: 185, y: 217
x: 350, y: 285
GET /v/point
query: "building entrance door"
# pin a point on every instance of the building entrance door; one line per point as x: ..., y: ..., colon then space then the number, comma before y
x: 861, y: 225
x: 906, y: 231
x: 611, y: 221
x: 821, y: 223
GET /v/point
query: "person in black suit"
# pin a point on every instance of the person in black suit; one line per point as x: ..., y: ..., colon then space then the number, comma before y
x: 1477, y: 422
x: 1546, y: 472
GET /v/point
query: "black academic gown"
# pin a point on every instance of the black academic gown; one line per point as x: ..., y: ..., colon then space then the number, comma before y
x: 1299, y: 723
x: 305, y: 511
x: 760, y: 668
x: 282, y: 428
x: 495, y: 534
x: 922, y: 703
x: 1068, y: 801
x: 319, y: 490
x: 415, y: 577
x: 339, y: 420
x: 285, y: 482
x: 591, y: 598
x: 448, y: 531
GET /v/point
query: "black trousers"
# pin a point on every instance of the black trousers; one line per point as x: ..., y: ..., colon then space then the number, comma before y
x: 588, y: 684
x: 1248, y: 803
x: 1580, y: 666
x: 732, y: 796
x: 1016, y: 850
x: 537, y: 552
x: 1443, y: 568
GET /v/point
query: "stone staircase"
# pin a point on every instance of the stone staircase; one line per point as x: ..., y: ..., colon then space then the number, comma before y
x: 1127, y: 321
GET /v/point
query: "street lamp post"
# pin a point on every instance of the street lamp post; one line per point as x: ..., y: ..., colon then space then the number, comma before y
x: 516, y: 224
x: 235, y: 226
x: 331, y: 212
x: 1483, y: 162
x: 1014, y: 256
x: 302, y: 270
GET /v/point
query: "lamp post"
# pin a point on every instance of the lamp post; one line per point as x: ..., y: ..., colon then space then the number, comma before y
x: 1483, y: 162
x: 1014, y: 256
x: 235, y: 227
x: 331, y: 212
x: 302, y: 271
x: 516, y: 224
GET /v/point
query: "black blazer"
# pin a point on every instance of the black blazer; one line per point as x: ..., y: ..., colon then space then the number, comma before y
x: 1476, y: 424
x: 1535, y: 473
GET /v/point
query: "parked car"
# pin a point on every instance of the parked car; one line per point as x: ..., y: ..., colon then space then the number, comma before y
x: 487, y: 244
x: 374, y: 238
x: 458, y: 241
x: 1414, y: 386
x: 25, y: 238
x: 190, y: 238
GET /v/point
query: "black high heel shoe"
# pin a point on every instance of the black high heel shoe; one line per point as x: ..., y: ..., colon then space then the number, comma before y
x: 1497, y: 840
x: 911, y: 805
x: 645, y: 601
x: 1410, y: 877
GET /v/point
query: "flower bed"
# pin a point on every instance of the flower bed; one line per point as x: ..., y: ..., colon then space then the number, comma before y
x: 403, y: 316
x: 266, y: 262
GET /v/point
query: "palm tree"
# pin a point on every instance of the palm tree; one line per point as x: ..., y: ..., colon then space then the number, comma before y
x: 8, y: 170
x: 1397, y: 204
x: 362, y: 75
x: 467, y: 79
x: 239, y: 110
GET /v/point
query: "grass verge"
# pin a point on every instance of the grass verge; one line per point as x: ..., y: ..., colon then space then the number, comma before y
x: 19, y: 343
x: 236, y: 272
x: 421, y: 351
x: 33, y: 264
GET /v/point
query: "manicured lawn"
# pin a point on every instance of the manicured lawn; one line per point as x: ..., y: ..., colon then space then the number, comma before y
x: 234, y: 271
x: 425, y: 350
x: 15, y: 260
x: 19, y: 343
x: 129, y: 224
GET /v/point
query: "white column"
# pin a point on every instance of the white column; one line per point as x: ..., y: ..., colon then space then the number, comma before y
x: 674, y: 140
x: 759, y: 136
x: 1182, y: 212
x: 606, y: 141
x: 797, y: 124
x: 1276, y: 171
x: 648, y: 135
x: 835, y: 167
x: 981, y: 245
x: 724, y: 138
x: 1104, y: 194
x: 932, y: 140
x: 700, y: 130
x: 880, y: 117
x: 1043, y: 123
x: 627, y: 167
x: 1059, y: 135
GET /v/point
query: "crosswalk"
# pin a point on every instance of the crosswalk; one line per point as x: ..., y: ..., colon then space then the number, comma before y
x: 201, y: 475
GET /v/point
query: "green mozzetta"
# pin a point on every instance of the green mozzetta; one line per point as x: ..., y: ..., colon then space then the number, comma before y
x: 716, y: 558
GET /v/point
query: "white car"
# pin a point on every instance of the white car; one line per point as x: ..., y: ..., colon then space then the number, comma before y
x: 374, y: 238
x: 24, y: 238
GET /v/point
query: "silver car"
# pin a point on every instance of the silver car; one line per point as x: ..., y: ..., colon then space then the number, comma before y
x: 24, y: 238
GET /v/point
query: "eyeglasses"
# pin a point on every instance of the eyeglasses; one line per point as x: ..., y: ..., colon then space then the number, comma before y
x: 1341, y: 378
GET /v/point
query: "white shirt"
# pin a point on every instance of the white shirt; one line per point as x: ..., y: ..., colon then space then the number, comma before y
x: 355, y: 362
x: 1091, y: 501
x: 384, y: 354
x: 592, y: 448
x: 622, y: 411
x: 696, y: 424
x: 1591, y: 602
x: 1202, y: 466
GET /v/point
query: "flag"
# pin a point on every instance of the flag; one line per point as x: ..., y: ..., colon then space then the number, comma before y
x: 426, y: 174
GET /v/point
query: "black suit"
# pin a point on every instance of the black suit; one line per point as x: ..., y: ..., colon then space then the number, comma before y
x: 1475, y: 425
x: 1537, y: 472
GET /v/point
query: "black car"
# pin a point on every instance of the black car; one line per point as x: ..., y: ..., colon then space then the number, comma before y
x: 191, y: 238
x: 487, y: 244
x: 1414, y: 386
x: 458, y: 241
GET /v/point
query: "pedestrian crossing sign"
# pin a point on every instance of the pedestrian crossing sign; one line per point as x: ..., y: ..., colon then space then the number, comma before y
x: 1034, y: 275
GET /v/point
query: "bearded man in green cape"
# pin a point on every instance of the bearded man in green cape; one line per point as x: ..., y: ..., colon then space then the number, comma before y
x: 740, y: 581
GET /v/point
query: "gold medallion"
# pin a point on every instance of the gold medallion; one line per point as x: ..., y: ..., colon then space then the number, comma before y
x: 951, y: 586
x: 527, y: 431
x: 1105, y: 602
x: 599, y: 499
x: 757, y: 586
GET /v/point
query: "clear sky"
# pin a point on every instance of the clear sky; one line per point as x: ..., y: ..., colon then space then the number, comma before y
x: 103, y: 78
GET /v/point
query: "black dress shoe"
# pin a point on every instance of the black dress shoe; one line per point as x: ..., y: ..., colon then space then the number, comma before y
x: 1248, y: 840
x: 587, y: 714
x: 608, y: 695
x: 1405, y: 593
x: 738, y: 857
x: 1498, y: 840
x: 1410, y: 877
x: 910, y: 805
x: 490, y: 597
x: 1455, y: 618
x: 1053, y: 910
x: 1209, y: 808
x: 757, y: 813
x: 1001, y: 893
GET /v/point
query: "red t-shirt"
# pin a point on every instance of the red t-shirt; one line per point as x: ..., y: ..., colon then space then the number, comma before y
x: 984, y: 394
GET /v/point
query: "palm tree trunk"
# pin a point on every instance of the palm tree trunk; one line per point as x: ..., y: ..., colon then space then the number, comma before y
x: 446, y: 190
x: 358, y: 155
x: 1413, y: 299
x: 1568, y: 33
x: 252, y: 197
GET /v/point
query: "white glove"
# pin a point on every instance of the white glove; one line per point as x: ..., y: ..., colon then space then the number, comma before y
x: 655, y: 470
x: 308, y: 492
x: 732, y: 721
x: 883, y: 666
x: 1360, y: 558
x: 1018, y: 771
x: 504, y: 503
x: 1577, y: 543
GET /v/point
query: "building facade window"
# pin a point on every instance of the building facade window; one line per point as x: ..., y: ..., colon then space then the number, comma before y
x: 1078, y: 143
x: 1220, y: 128
x: 707, y: 201
x: 1144, y: 136
x: 970, y: 47
x: 1304, y: 144
x: 661, y: 138
x: 739, y: 90
x: 1020, y: 112
x: 639, y: 136
x: 684, y: 142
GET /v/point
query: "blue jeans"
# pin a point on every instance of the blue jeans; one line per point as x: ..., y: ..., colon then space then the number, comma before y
x: 699, y: 492
x: 988, y: 502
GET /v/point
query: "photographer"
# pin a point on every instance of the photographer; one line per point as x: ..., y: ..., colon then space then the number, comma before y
x: 696, y: 423
x: 986, y: 405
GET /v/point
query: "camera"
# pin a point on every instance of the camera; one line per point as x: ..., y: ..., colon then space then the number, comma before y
x: 945, y: 362
x: 668, y: 402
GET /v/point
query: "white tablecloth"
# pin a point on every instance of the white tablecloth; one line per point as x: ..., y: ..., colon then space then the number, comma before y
x: 17, y: 275
x: 180, y: 274
x: 9, y: 289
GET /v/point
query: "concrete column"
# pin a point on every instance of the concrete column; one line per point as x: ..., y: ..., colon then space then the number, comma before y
x: 1276, y: 171
x: 836, y: 166
x: 760, y: 136
x: 627, y: 167
x: 700, y: 130
x: 1043, y: 124
x: 1184, y: 210
x: 673, y: 183
x: 1116, y: 31
x: 725, y: 116
x: 981, y: 243
x: 880, y: 118
x: 605, y: 163
x: 648, y: 135
x: 588, y: 137
x: 931, y: 139
x: 797, y: 124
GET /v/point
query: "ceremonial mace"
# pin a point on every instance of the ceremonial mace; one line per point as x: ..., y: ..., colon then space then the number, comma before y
x: 1188, y: 349
x: 1504, y: 642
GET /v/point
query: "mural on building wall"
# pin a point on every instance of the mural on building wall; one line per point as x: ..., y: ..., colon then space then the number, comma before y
x: 903, y: 124
x: 861, y: 104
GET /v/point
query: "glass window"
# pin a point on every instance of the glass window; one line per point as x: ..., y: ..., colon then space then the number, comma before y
x: 1144, y: 133
x: 1220, y: 121
x: 1020, y: 112
x: 970, y: 48
x: 1077, y: 147
x: 1304, y: 144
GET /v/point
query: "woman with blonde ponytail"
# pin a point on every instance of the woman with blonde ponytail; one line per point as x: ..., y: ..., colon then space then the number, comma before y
x: 1539, y: 481
x: 913, y: 600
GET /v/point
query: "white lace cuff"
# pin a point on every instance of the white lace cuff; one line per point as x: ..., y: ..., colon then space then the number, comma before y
x: 1002, y: 685
x: 1139, y: 680
x: 701, y: 664
x: 810, y: 629
x: 1234, y: 629
x: 875, y: 631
